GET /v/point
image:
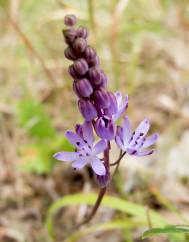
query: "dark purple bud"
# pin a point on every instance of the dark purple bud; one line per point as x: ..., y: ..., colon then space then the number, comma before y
x: 81, y: 66
x: 73, y: 72
x: 105, y: 128
x: 112, y: 109
x: 90, y: 54
x: 80, y: 45
x: 104, y: 80
x: 95, y: 76
x: 87, y: 109
x: 75, y: 89
x: 82, y: 32
x: 101, y: 98
x: 70, y: 20
x: 70, y: 54
x: 95, y: 61
x: 103, y: 181
x: 83, y: 87
x: 69, y: 35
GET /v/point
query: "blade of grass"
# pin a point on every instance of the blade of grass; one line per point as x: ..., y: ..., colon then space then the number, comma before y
x: 173, y: 229
x: 109, y: 201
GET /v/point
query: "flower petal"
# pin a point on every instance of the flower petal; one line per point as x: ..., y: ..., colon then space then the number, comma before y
x: 143, y: 128
x: 119, y: 142
x: 80, y: 163
x: 74, y: 139
x: 126, y: 130
x: 98, y: 166
x: 99, y: 147
x: 144, y: 153
x: 66, y: 156
x: 122, y: 105
x: 150, y: 140
x: 88, y: 132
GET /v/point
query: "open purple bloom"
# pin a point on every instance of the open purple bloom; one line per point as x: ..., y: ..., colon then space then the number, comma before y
x: 122, y: 105
x: 135, y: 143
x: 86, y: 152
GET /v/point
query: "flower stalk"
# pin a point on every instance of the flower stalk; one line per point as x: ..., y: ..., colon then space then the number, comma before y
x: 100, y: 109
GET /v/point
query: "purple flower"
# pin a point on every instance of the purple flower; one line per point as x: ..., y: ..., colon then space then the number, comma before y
x: 135, y: 143
x: 122, y: 105
x: 105, y: 128
x: 86, y: 151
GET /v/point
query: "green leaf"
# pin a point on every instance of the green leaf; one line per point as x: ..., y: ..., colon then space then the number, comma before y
x: 115, y: 224
x: 111, y: 202
x: 34, y: 119
x: 172, y: 229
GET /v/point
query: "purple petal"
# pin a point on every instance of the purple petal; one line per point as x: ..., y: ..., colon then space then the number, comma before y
x: 88, y: 132
x: 121, y: 106
x: 119, y: 142
x: 144, y: 153
x: 150, y: 140
x: 143, y: 128
x: 74, y: 139
x: 99, y: 147
x: 98, y: 166
x: 80, y: 163
x: 66, y: 156
x: 118, y: 96
x: 127, y: 133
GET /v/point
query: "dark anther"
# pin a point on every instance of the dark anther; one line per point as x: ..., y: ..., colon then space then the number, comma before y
x: 80, y: 155
x: 85, y: 141
x: 77, y: 143
x: 141, y: 134
x: 87, y: 154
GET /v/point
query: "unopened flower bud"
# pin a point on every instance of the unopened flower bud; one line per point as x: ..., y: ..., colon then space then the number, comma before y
x: 70, y: 54
x: 90, y: 54
x: 104, y: 80
x: 105, y: 128
x: 73, y: 73
x: 95, y: 76
x: 69, y: 35
x: 82, y: 32
x: 87, y: 109
x: 83, y: 87
x: 112, y: 109
x: 81, y: 66
x: 80, y: 45
x: 70, y: 20
x: 103, y: 181
x: 95, y: 61
x: 101, y: 98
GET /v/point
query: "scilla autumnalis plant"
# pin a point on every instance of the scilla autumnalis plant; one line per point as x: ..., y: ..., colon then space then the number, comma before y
x: 100, y: 109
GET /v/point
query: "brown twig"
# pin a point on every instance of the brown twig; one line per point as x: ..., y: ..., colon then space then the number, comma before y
x: 31, y: 48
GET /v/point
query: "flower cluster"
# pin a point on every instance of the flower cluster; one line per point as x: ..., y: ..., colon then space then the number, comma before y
x: 100, y: 109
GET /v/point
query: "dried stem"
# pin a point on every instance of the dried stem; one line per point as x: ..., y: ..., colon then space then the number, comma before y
x: 91, y: 14
x: 29, y: 45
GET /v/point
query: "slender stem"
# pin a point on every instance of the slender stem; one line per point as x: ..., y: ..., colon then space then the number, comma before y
x: 94, y: 210
x: 119, y: 159
x: 100, y: 195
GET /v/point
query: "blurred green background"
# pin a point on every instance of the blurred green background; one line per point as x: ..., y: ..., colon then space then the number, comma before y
x: 144, y: 49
